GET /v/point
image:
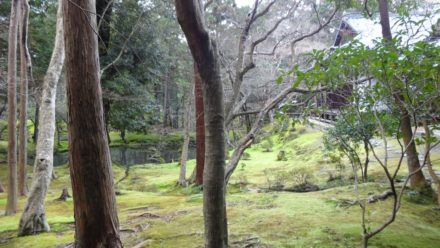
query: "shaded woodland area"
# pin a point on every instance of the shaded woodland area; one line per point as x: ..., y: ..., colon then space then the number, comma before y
x: 229, y: 123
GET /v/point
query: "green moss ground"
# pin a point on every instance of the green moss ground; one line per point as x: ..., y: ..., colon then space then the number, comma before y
x: 152, y: 208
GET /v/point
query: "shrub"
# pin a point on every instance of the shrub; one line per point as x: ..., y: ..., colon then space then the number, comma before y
x: 300, y: 175
x: 277, y: 180
x: 281, y: 156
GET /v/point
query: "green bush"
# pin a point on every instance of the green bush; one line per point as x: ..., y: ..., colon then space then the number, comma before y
x: 282, y: 156
x: 301, y: 175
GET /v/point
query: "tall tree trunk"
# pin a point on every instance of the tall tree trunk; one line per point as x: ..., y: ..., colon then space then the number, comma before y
x: 11, y: 205
x: 33, y: 219
x: 418, y: 180
x: 1, y: 188
x: 166, y: 105
x: 200, y: 127
x: 184, y: 157
x: 96, y: 220
x: 205, y: 54
x: 24, y: 64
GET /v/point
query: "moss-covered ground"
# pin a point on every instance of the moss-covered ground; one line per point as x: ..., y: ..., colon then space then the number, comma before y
x: 153, y: 209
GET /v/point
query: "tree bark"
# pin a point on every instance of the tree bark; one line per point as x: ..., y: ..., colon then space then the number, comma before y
x: 205, y: 54
x: 11, y: 205
x: 96, y: 220
x: 33, y: 219
x: 200, y: 127
x: 24, y: 72
x: 184, y: 156
x: 107, y: 107
x: 418, y: 180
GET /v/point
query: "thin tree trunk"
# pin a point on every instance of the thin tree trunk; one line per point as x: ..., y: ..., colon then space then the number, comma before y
x: 96, y: 220
x: 184, y: 156
x: 200, y: 127
x: 365, y: 239
x: 37, y: 114
x: 3, y: 108
x: 205, y: 55
x: 58, y: 132
x: 122, y: 134
x: 11, y: 205
x: 166, y: 107
x: 367, y: 161
x: 192, y: 178
x: 1, y: 188
x: 24, y: 64
x: 33, y: 219
x: 418, y: 180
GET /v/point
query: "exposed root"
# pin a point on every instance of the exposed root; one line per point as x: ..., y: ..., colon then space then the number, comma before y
x: 380, y: 197
x: 36, y: 223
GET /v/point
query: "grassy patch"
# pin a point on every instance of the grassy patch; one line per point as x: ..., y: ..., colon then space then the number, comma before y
x: 169, y: 216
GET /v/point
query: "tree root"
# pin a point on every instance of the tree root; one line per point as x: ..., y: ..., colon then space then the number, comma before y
x: 35, y: 223
x: 380, y: 197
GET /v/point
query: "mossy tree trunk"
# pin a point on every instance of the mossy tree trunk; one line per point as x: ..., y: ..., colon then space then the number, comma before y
x: 25, y: 63
x: 33, y: 219
x: 96, y: 221
x: 205, y: 55
x: 11, y: 204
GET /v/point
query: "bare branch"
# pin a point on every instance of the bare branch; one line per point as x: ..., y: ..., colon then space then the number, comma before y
x: 264, y: 11
x: 247, y: 140
x: 123, y: 46
x: 316, y: 30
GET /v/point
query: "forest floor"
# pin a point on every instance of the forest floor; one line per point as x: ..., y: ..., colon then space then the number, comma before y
x: 154, y: 212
